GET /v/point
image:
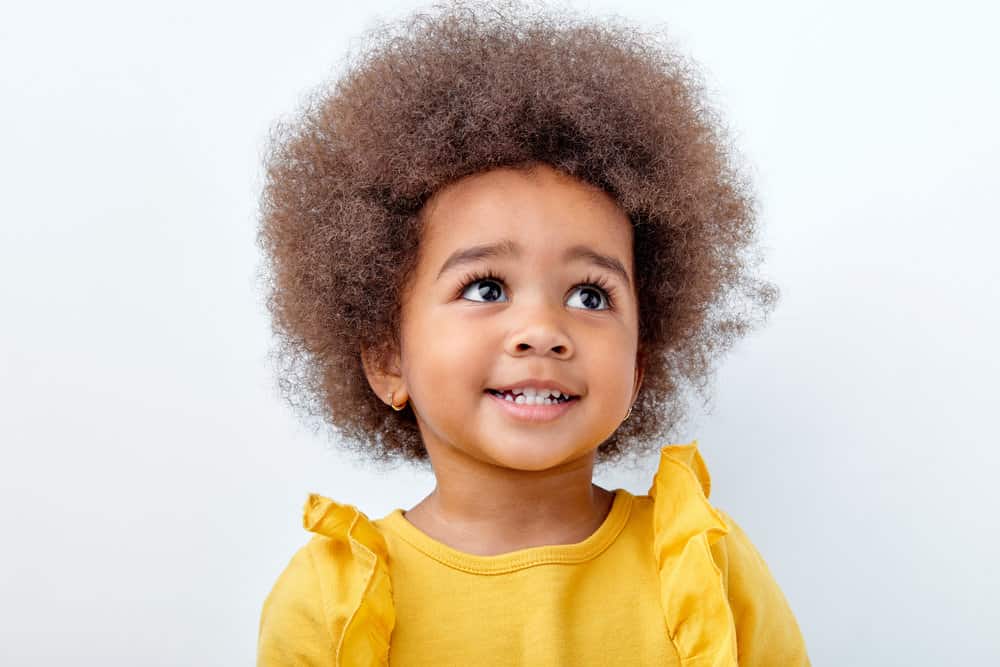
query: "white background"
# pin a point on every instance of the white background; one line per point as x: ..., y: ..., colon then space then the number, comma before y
x: 152, y: 479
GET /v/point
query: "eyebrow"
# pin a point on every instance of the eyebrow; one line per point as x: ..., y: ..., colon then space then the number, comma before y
x: 511, y: 249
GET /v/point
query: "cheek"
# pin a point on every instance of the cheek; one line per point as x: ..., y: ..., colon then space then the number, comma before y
x: 623, y: 373
x: 440, y: 360
x: 616, y: 364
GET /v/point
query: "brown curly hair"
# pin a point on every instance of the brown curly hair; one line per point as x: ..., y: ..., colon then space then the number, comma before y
x: 463, y: 88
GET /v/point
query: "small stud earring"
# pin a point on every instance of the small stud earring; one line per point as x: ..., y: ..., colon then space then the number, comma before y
x: 393, y: 403
x: 629, y: 413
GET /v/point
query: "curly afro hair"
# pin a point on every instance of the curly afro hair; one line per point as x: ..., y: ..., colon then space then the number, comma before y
x: 467, y: 87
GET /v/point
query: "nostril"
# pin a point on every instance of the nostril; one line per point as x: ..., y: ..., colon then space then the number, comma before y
x: 559, y: 349
x: 523, y: 347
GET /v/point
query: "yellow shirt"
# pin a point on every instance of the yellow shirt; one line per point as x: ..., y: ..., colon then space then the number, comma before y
x: 667, y: 579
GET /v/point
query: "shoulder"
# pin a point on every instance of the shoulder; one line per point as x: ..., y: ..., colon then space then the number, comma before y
x: 720, y: 600
x: 766, y: 628
x: 293, y: 624
x: 334, y: 599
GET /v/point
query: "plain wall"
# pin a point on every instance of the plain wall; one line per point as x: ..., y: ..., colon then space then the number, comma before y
x: 151, y: 479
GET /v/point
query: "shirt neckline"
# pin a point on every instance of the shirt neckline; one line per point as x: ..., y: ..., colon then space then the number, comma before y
x: 577, y: 552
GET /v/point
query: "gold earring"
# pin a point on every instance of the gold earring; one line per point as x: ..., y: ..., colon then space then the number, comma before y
x: 629, y: 413
x: 393, y: 403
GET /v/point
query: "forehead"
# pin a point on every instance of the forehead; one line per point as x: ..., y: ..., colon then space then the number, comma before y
x: 542, y: 210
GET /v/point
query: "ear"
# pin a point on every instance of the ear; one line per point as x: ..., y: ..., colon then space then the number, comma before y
x: 382, y: 369
x: 640, y: 370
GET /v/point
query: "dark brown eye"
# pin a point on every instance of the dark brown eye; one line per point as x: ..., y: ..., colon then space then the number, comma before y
x: 589, y: 298
x: 484, y: 290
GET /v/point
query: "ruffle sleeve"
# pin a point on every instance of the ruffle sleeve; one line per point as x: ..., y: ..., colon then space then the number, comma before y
x: 332, y: 605
x: 692, y: 591
x: 721, y: 605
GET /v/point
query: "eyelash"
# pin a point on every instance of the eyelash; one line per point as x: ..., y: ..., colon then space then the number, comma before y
x: 600, y: 282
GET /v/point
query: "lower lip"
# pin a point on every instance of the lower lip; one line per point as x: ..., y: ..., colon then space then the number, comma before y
x: 533, y: 413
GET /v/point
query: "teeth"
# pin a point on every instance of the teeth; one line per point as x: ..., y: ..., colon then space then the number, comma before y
x: 533, y: 396
x: 528, y: 399
x: 532, y: 391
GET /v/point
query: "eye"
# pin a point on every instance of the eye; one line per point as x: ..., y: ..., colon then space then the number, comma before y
x: 588, y: 297
x: 591, y: 294
x: 484, y: 289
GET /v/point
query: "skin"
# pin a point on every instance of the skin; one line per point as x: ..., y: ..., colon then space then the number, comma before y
x: 503, y: 483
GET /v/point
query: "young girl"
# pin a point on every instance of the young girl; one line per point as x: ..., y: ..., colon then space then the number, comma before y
x: 507, y: 241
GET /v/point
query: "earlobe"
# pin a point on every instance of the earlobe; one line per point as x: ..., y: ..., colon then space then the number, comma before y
x: 391, y: 398
x: 384, y: 377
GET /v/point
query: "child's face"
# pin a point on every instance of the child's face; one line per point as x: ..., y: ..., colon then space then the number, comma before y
x: 538, y: 320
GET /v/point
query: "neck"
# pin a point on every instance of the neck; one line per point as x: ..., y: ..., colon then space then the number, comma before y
x: 481, y: 508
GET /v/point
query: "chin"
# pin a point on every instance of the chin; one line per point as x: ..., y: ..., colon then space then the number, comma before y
x: 529, y: 457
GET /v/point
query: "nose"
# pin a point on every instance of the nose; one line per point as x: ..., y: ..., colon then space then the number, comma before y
x: 539, y: 333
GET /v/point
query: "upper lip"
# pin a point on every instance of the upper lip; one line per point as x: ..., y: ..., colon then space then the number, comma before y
x: 537, y: 383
